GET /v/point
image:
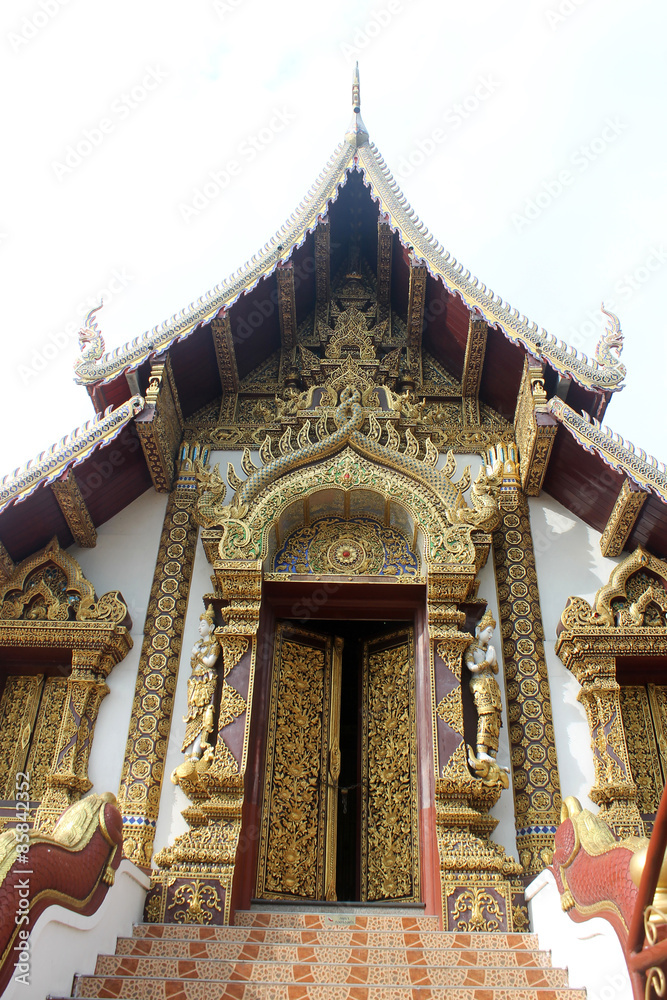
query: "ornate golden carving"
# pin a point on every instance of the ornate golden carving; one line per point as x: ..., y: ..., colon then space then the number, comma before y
x: 292, y: 854
x: 221, y: 331
x: 18, y: 709
x: 482, y: 663
x: 383, y: 287
x: 48, y: 604
x: 322, y: 267
x: 44, y: 742
x: 622, y: 519
x: 472, y: 370
x: 286, y: 306
x: 534, y: 428
x: 356, y: 546
x: 160, y: 425
x: 643, y: 752
x: 350, y: 335
x: 7, y: 565
x: 201, y: 689
x: 533, y: 749
x: 477, y: 910
x: 389, y: 807
x: 201, y: 901
x: 628, y: 617
x: 415, y: 324
x: 70, y: 500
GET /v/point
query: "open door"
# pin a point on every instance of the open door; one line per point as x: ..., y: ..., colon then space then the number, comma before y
x: 389, y: 806
x: 297, y: 856
x: 303, y: 785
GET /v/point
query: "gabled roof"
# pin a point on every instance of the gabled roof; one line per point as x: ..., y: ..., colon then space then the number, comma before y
x: 101, y: 467
x: 604, y: 373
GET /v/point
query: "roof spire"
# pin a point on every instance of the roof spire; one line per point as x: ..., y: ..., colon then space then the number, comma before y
x: 357, y: 133
x: 356, y: 91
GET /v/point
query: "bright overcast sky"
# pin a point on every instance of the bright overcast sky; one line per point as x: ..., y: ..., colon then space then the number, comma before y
x: 548, y: 179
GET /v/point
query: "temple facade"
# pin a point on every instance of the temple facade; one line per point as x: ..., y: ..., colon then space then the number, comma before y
x: 343, y: 589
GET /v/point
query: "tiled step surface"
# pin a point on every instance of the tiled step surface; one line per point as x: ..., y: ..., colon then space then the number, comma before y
x: 234, y: 951
x: 398, y: 974
x: 344, y: 936
x: 323, y: 956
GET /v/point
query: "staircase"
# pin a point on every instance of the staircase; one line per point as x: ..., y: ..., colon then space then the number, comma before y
x: 324, y: 956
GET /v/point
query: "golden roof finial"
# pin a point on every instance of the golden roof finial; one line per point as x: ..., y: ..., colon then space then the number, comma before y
x: 356, y: 91
x: 357, y: 133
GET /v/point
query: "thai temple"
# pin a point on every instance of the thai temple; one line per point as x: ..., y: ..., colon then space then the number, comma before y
x: 334, y: 645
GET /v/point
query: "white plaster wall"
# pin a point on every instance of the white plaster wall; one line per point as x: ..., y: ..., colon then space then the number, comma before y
x: 170, y: 823
x: 568, y: 563
x: 590, y: 951
x: 123, y: 559
x: 503, y: 811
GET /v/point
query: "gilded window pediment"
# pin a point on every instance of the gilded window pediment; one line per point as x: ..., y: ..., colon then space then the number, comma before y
x: 50, y: 586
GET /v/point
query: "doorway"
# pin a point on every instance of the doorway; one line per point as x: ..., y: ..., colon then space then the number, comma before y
x: 339, y: 809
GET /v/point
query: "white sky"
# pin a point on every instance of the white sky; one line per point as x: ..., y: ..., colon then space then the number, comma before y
x: 562, y: 85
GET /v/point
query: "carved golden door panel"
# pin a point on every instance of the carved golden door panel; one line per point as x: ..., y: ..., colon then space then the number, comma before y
x: 297, y: 855
x: 31, y: 711
x: 298, y: 834
x: 644, y: 712
x: 389, y: 806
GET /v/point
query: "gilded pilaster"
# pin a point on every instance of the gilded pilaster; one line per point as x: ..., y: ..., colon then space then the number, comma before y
x: 68, y: 779
x: 614, y: 789
x: 150, y: 722
x: 532, y: 742
x: 194, y: 880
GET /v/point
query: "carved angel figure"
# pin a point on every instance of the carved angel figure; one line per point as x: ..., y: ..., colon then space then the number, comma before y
x: 481, y: 661
x: 201, y: 690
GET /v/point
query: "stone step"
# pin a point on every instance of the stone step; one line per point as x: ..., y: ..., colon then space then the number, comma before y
x: 399, y: 974
x: 127, y: 988
x: 371, y: 920
x: 354, y: 954
x: 344, y: 937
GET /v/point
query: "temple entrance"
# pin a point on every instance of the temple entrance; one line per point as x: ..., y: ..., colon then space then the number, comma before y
x: 340, y: 810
